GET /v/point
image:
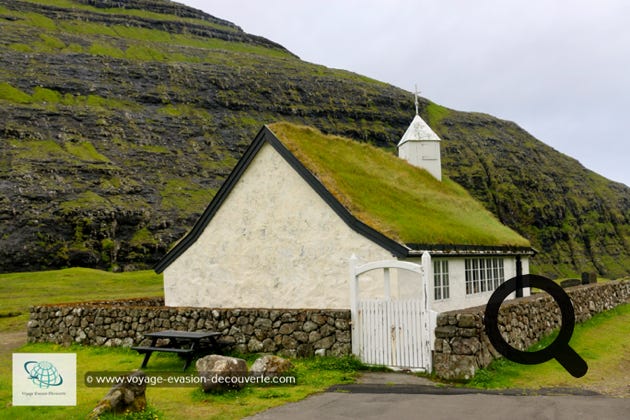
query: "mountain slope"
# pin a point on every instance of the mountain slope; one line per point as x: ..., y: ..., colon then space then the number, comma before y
x: 121, y: 122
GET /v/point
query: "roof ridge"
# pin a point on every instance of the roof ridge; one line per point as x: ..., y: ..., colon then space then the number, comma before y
x: 418, y: 130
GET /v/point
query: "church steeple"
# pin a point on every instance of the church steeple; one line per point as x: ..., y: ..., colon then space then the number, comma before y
x: 420, y: 146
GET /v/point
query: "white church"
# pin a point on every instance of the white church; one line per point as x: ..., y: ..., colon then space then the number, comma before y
x: 281, y: 231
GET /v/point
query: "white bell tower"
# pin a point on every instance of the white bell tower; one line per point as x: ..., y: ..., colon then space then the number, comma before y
x: 420, y: 146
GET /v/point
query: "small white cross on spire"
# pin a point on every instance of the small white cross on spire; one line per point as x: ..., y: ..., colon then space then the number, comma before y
x: 416, y: 98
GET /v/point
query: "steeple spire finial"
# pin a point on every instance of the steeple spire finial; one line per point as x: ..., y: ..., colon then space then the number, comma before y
x: 420, y: 146
x: 415, y: 95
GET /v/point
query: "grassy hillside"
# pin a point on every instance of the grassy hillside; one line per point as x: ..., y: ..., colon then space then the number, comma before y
x: 120, y: 123
x: 18, y: 291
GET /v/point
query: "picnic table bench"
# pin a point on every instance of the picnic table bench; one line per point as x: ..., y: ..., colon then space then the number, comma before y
x: 187, y: 344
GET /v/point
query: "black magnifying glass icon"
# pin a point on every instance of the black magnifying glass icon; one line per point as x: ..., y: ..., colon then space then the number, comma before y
x: 559, y: 349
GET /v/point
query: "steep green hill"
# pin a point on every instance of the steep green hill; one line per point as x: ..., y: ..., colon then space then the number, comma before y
x: 122, y: 118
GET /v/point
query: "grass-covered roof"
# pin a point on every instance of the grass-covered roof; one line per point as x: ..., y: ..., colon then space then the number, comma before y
x: 391, y: 196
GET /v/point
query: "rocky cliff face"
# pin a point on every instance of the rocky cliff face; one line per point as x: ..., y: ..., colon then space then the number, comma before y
x: 122, y: 118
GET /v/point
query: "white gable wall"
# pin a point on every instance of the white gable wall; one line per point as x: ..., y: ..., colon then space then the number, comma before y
x: 273, y: 243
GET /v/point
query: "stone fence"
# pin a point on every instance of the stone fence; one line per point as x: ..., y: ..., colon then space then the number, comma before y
x: 462, y: 347
x: 289, y: 332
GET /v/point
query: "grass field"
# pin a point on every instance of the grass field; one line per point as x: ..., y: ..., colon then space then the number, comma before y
x: 313, y: 375
x: 603, y: 342
x: 20, y: 290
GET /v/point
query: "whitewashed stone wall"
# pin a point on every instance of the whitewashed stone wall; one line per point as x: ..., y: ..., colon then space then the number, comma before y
x: 274, y: 243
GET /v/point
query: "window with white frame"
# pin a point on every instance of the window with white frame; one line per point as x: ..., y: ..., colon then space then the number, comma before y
x: 440, y: 279
x: 483, y: 274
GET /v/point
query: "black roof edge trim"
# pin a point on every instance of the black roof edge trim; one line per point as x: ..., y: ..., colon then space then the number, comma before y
x: 462, y: 249
x: 266, y: 135
x: 218, y: 199
x: 355, y: 224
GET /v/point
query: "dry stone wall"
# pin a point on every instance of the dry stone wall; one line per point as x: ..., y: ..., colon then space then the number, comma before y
x: 289, y: 332
x: 462, y: 347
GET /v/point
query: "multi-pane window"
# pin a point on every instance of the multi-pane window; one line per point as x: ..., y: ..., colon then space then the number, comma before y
x: 483, y: 274
x: 440, y: 279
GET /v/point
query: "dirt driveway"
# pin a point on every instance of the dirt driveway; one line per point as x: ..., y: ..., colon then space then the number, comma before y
x: 9, y: 341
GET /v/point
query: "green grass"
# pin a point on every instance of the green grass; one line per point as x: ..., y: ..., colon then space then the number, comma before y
x: 392, y: 196
x: 602, y: 341
x: 129, y: 12
x: 13, y: 94
x: 435, y: 114
x: 184, y: 196
x: 42, y: 150
x: 312, y: 375
x: 85, y: 201
x: 18, y: 291
x: 86, y: 152
x: 44, y: 95
x: 141, y: 44
x: 50, y: 97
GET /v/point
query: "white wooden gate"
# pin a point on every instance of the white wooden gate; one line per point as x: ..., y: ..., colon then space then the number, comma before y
x: 392, y: 332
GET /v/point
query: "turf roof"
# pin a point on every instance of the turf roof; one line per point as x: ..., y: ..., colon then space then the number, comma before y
x: 391, y: 196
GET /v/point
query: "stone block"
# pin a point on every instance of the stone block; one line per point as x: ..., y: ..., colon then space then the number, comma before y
x: 269, y: 365
x: 589, y: 277
x: 327, y: 330
x: 342, y: 324
x: 219, y: 372
x: 446, y: 331
x: 343, y: 336
x: 269, y: 346
x: 288, y: 328
x: 314, y: 336
x: 319, y: 319
x: 289, y: 342
x: 454, y: 367
x: 309, y: 326
x: 254, y: 345
x: 467, y: 321
x: 263, y: 323
x: 340, y: 349
x: 300, y: 336
x: 324, y: 343
x: 570, y: 283
x: 467, y: 346
x: 128, y: 396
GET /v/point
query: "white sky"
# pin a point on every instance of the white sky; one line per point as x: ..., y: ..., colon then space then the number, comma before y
x: 558, y: 68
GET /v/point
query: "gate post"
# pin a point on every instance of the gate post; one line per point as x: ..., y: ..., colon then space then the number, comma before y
x: 354, y: 299
x: 427, y: 280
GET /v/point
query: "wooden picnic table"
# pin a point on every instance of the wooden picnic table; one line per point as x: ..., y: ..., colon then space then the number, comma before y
x: 187, y: 344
